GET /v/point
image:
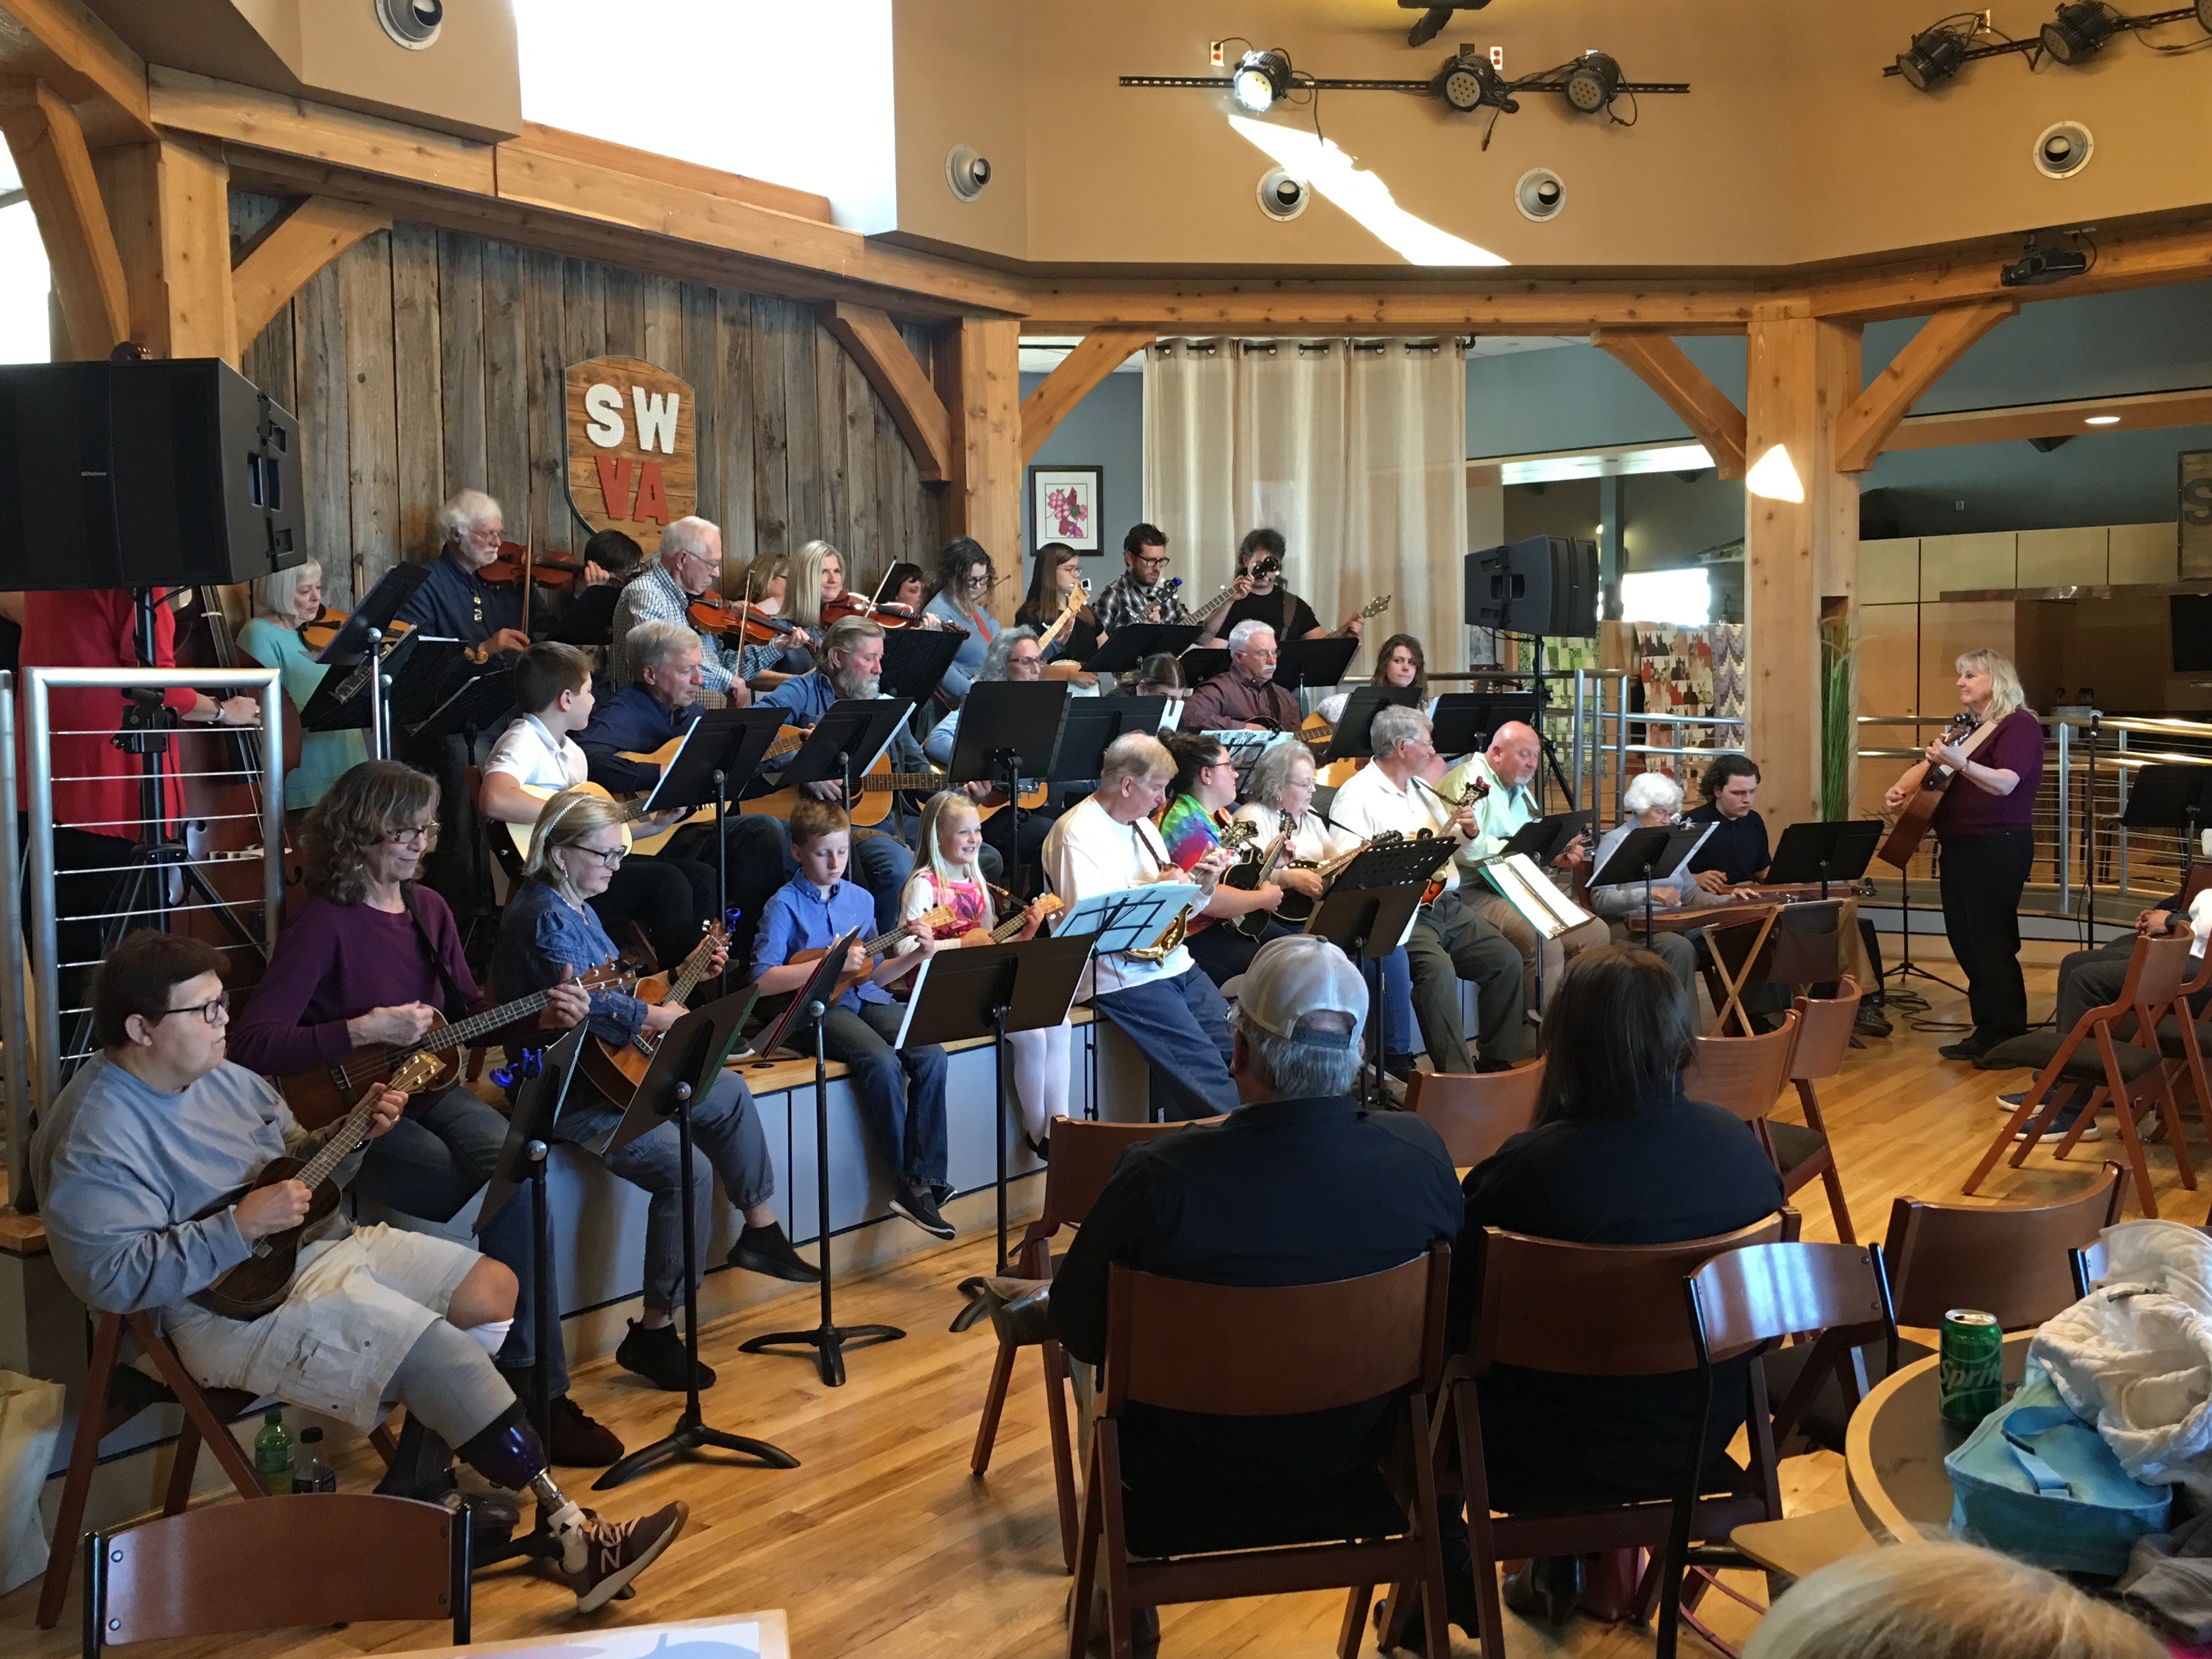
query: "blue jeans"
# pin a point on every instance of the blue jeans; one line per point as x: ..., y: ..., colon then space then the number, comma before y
x: 1399, y: 1034
x: 1181, y: 1026
x: 902, y: 1091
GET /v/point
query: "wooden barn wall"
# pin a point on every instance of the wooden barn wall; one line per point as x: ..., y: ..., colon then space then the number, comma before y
x: 423, y: 361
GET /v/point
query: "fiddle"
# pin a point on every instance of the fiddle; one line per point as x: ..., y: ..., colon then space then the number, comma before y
x: 546, y: 569
x: 316, y: 634
x: 710, y: 614
x: 885, y: 613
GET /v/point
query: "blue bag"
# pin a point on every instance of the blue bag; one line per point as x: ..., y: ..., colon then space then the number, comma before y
x: 2036, y: 1482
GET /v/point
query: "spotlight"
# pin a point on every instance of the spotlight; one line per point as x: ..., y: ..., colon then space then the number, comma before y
x: 2079, y: 31
x: 2100, y: 420
x: 1933, y: 58
x: 2037, y: 265
x: 1467, y: 81
x: 1262, y: 78
x: 1591, y: 84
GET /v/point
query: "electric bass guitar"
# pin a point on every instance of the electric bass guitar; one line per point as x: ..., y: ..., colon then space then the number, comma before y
x: 617, y: 1068
x: 262, y: 1281
x: 1919, y: 810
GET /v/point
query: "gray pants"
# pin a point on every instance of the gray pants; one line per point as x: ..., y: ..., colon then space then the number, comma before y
x: 1675, y: 949
x: 1450, y: 942
x: 2090, y: 979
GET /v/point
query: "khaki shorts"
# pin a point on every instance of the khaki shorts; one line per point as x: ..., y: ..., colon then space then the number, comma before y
x: 357, y: 1307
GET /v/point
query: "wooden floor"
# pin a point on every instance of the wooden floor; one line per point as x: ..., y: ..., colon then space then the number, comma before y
x: 881, y: 1543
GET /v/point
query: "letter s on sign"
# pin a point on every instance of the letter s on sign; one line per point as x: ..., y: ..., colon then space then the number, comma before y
x: 2196, y: 502
x: 604, y: 405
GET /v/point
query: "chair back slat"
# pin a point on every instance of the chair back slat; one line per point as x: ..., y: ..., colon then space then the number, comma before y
x: 326, y: 1559
x: 1475, y: 1112
x: 1761, y: 1291
x: 1084, y: 1154
x: 2166, y: 970
x: 2008, y: 1261
x: 1824, y: 1031
x: 1596, y: 1310
x: 1274, y: 1351
x: 1743, y: 1075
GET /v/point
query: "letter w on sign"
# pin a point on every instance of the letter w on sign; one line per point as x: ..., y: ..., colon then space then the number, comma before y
x: 656, y: 419
x: 636, y: 475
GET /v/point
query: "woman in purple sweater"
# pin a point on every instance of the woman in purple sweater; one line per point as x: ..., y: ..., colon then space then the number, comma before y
x: 1984, y: 829
x: 373, y: 958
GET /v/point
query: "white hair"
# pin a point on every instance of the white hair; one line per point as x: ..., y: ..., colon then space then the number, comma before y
x: 275, y: 592
x: 1395, y: 724
x: 1294, y: 1070
x: 466, y: 510
x: 1133, y: 755
x: 652, y: 642
x: 1241, y: 635
x: 687, y: 536
x: 1649, y: 789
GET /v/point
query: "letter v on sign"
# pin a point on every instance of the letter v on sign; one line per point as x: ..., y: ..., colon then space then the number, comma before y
x: 615, y: 472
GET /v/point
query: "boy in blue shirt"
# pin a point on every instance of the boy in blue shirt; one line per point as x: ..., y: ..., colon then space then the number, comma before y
x: 901, y: 1091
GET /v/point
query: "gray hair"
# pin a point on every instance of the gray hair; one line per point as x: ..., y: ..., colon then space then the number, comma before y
x: 1294, y: 1070
x: 1647, y: 790
x: 1271, y: 773
x: 844, y: 637
x: 652, y: 642
x: 1002, y: 652
x: 1394, y: 725
x: 275, y: 591
x: 1133, y: 755
x: 687, y: 536
x: 1241, y: 635
x: 466, y: 510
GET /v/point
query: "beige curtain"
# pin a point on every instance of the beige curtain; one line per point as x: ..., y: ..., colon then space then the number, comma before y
x: 1355, y: 450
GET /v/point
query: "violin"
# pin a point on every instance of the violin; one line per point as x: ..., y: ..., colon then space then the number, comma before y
x: 318, y: 634
x: 745, y: 622
x: 546, y: 569
x: 885, y: 613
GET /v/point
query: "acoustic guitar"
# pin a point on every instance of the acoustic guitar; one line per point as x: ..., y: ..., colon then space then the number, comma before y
x: 633, y: 809
x: 1919, y: 810
x: 320, y: 1096
x: 617, y: 1068
x: 262, y: 1281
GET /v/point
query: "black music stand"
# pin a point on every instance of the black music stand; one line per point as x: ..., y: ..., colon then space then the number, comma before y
x: 2172, y: 797
x: 1835, y: 849
x: 1464, y: 720
x: 1130, y: 644
x: 1646, y: 853
x: 374, y: 614
x: 347, y: 698
x: 1088, y: 731
x: 988, y: 990
x: 828, y: 1338
x: 1353, y: 739
x: 1008, y: 731
x: 522, y: 1159
x: 845, y: 742
x: 1544, y: 839
x: 718, y: 755
x: 1365, y: 913
x: 688, y: 1063
x: 1318, y: 663
x: 914, y: 661
x: 1201, y: 663
x: 425, y: 703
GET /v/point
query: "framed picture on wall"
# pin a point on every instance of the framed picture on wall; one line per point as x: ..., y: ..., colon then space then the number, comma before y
x: 1065, y: 503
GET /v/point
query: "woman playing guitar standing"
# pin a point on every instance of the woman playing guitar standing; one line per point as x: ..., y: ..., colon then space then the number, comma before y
x: 1983, y: 824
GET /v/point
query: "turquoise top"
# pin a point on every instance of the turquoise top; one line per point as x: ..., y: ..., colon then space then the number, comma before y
x: 323, y: 755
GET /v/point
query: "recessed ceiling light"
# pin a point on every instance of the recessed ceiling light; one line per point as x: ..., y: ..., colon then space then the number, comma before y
x: 2102, y: 420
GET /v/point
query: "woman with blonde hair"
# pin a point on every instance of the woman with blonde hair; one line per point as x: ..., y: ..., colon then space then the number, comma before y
x: 1985, y: 826
x: 1943, y: 1601
x: 283, y: 604
x: 818, y: 576
x: 764, y: 584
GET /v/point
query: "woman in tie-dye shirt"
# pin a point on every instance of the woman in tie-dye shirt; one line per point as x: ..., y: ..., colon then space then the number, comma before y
x: 1191, y: 825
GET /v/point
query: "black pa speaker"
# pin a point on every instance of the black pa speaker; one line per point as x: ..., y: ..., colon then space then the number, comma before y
x: 175, y: 474
x: 1539, y: 585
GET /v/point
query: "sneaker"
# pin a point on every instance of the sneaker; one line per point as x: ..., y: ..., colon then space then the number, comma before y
x: 917, y: 1206
x: 2010, y: 1103
x: 615, y: 1552
x: 2059, y: 1128
x: 658, y: 1356
x: 579, y: 1442
x: 766, y: 1250
x: 1870, y: 1020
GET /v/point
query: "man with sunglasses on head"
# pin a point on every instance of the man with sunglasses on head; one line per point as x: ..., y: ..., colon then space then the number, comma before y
x: 1139, y: 594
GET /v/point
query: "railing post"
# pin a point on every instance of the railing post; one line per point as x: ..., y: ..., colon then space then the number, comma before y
x: 2120, y: 787
x: 2065, y: 817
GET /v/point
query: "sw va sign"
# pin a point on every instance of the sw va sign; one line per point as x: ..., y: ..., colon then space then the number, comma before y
x: 633, y: 463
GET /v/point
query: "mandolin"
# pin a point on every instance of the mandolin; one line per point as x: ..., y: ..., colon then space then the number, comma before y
x: 1297, y: 907
x: 1253, y: 924
x: 319, y: 1096
x: 261, y: 1282
x: 617, y: 1068
x: 1919, y: 810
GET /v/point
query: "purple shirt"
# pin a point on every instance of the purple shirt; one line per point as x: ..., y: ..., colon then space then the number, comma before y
x: 338, y: 961
x: 2016, y: 746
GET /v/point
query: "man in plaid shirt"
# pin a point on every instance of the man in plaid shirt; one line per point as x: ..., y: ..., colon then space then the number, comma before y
x: 690, y: 559
x: 1138, y: 595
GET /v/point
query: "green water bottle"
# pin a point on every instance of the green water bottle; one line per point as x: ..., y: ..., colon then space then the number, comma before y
x: 272, y: 1453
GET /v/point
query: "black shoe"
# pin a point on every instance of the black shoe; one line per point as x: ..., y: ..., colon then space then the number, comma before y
x: 658, y: 1356
x: 1972, y: 1047
x: 1547, y: 1589
x: 766, y: 1250
x: 918, y: 1206
x: 421, y: 1464
x: 1400, y: 1066
x: 579, y: 1442
x: 1871, y: 1021
x: 1039, y: 1149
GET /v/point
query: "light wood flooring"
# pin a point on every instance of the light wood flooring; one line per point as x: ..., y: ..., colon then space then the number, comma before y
x: 882, y: 1544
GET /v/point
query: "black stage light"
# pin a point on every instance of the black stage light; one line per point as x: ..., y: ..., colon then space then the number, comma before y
x: 1261, y: 79
x: 2037, y: 265
x: 2079, y: 31
x: 1933, y: 58
x: 1468, y: 83
x: 1591, y: 84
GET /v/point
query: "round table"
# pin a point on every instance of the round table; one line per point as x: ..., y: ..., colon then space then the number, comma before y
x: 1895, y: 1444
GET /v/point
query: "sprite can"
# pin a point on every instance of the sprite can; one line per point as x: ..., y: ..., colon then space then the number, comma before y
x: 1970, y: 1375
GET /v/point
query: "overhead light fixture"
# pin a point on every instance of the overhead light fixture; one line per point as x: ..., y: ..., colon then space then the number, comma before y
x: 2063, y: 149
x: 1592, y: 83
x: 2039, y: 265
x: 1933, y: 58
x: 1773, y: 477
x: 1539, y: 194
x: 2100, y: 420
x: 1261, y: 79
x: 1467, y: 81
x: 2079, y: 30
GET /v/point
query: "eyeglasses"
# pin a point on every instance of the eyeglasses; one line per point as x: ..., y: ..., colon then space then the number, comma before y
x: 213, y: 1012
x: 608, y: 857
x: 1152, y: 559
x: 413, y: 835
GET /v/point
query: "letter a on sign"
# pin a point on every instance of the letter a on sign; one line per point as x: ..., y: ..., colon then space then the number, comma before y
x: 633, y: 462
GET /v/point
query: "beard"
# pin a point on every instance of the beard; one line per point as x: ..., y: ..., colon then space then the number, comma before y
x: 850, y: 683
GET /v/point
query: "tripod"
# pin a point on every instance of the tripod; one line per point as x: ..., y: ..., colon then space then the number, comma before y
x: 1906, y: 968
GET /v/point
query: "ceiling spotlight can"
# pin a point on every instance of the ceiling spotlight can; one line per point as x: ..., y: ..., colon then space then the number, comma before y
x: 2063, y: 149
x: 1591, y: 84
x: 1933, y: 58
x: 413, y: 23
x: 1283, y: 195
x: 1539, y: 194
x: 966, y: 172
x: 1261, y: 79
x: 2204, y: 14
x: 2079, y: 31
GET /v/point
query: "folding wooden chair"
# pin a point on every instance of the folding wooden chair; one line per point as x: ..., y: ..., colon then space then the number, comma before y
x: 2181, y: 1037
x: 1475, y: 1112
x: 1084, y: 1154
x: 1807, y: 1154
x: 1237, y: 1351
x: 2093, y: 1058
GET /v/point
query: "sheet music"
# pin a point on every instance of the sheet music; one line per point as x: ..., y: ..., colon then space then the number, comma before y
x: 1539, y: 903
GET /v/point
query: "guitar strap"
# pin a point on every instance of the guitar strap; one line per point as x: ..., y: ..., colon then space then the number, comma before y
x: 456, y: 1005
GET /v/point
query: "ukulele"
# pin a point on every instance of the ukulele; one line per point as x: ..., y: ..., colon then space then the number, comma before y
x: 319, y: 1096
x: 1919, y: 810
x: 1044, y: 907
x: 262, y: 1281
x: 872, y: 948
x: 617, y: 1068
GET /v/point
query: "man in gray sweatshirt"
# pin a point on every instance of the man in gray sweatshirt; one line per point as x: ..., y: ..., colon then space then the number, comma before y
x: 144, y: 1161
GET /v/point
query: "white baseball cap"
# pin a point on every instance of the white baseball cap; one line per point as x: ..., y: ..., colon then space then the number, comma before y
x: 1290, y: 980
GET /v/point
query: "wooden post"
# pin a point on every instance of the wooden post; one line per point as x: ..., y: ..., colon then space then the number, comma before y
x: 169, y: 203
x: 1803, y: 373
x: 979, y: 363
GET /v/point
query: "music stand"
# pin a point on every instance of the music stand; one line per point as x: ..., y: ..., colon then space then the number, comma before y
x: 988, y: 990
x: 2172, y: 797
x: 1544, y: 839
x: 718, y: 756
x: 916, y: 659
x: 1128, y: 918
x: 351, y: 696
x: 1008, y: 731
x: 1464, y: 720
x: 374, y: 616
x: 1092, y: 726
x: 1351, y: 738
x: 1367, y: 910
x: 687, y: 1064
x: 1245, y: 749
x: 1835, y: 849
x: 1129, y: 645
x: 589, y: 620
x: 1200, y: 664
x: 1645, y: 852
x: 1318, y: 663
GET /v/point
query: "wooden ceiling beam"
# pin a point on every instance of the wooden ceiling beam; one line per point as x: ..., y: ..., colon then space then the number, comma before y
x: 2127, y: 257
x: 62, y: 43
x: 289, y: 250
x: 1093, y: 358
x: 1296, y: 307
x: 1864, y: 429
x: 873, y: 342
x: 1713, y: 417
x: 48, y: 144
x: 2141, y: 411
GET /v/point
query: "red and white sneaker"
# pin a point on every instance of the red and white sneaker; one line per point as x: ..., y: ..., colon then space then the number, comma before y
x: 615, y: 1552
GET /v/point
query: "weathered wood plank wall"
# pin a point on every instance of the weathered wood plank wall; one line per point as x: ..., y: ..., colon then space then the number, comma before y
x: 423, y: 361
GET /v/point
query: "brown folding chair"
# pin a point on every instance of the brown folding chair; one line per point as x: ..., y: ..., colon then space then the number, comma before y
x: 1475, y: 1112
x: 324, y: 1558
x: 1746, y: 1074
x: 2181, y: 1037
x: 1807, y: 1154
x: 1084, y: 1154
x: 2094, y: 1059
x: 1235, y: 1350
